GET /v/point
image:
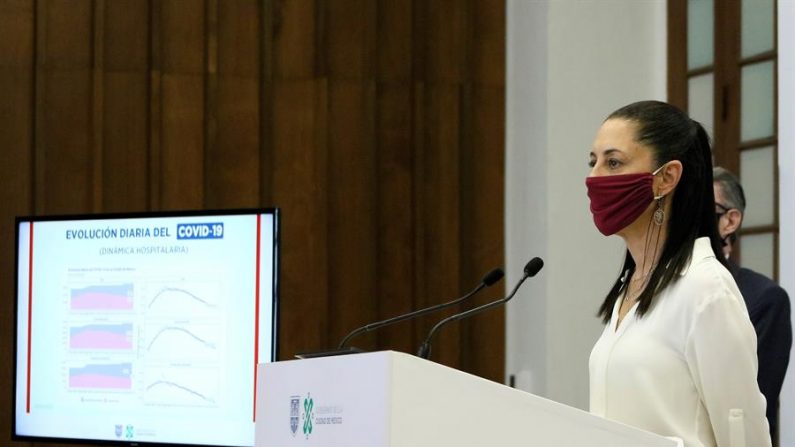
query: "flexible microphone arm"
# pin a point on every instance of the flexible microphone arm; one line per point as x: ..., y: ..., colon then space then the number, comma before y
x: 487, y: 281
x: 530, y: 270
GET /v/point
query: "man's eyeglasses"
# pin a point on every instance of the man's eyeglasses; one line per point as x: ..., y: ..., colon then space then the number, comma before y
x: 721, y: 209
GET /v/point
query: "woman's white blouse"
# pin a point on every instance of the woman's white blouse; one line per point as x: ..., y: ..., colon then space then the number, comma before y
x: 688, y: 367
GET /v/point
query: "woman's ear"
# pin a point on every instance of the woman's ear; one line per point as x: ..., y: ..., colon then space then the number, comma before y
x: 668, y: 177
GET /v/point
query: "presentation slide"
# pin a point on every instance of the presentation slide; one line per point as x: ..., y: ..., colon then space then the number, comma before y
x: 144, y: 329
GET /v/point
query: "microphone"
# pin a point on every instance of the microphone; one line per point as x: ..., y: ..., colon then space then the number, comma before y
x: 487, y: 281
x: 530, y: 270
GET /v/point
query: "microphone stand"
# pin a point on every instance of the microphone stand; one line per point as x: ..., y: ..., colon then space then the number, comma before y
x: 530, y: 270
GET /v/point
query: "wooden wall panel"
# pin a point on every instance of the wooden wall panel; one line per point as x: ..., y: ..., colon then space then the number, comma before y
x: 16, y: 169
x: 16, y: 89
x: 182, y: 104
x: 395, y: 39
x: 16, y: 28
x: 238, y: 38
x: 439, y: 207
x: 126, y: 35
x: 447, y: 43
x: 349, y: 37
x: 295, y: 38
x: 483, y: 160
x: 482, y: 214
x: 125, y: 174
x: 68, y: 34
x: 124, y: 137
x: 395, y: 247
x: 488, y: 42
x: 299, y: 187
x: 232, y: 164
x: 351, y: 195
x: 64, y: 103
x: 211, y: 101
x: 352, y: 210
x: 376, y: 126
x: 182, y: 142
x: 182, y: 38
x: 396, y: 131
x: 67, y: 165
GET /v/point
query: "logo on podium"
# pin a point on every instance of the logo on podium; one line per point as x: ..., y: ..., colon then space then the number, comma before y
x: 309, y: 403
x: 308, y: 417
x: 295, y: 413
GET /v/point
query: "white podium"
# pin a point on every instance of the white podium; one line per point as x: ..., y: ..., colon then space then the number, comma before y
x: 391, y: 399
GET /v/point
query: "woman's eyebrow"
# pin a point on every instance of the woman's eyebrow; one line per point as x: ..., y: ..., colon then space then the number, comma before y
x: 607, y: 151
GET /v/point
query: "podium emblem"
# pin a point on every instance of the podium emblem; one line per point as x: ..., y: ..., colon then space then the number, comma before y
x: 295, y: 413
x: 309, y: 404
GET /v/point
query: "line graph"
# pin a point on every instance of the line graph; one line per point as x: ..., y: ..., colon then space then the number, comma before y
x: 168, y: 383
x: 182, y: 298
x: 178, y: 291
x: 181, y: 386
x: 190, y: 334
x: 193, y: 341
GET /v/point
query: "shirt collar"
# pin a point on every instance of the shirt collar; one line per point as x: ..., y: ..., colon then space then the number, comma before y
x: 702, y: 249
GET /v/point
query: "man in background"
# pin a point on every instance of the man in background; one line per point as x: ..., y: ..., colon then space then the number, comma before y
x: 768, y: 304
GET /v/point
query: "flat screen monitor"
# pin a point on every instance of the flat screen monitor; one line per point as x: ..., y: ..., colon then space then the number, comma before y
x: 138, y: 329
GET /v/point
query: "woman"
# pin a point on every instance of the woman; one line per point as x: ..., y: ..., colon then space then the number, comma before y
x: 678, y: 353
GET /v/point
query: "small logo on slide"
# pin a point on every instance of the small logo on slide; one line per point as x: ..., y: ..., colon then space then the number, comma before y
x: 118, y: 430
x: 129, y: 432
x: 295, y: 413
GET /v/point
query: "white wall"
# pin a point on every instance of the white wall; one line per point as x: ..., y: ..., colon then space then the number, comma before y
x: 570, y: 63
x: 526, y: 189
x: 786, y: 162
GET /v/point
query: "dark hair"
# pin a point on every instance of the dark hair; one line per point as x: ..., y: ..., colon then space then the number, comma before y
x: 730, y: 188
x: 672, y: 135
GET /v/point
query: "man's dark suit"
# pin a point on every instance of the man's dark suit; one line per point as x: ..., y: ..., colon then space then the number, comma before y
x: 769, y: 308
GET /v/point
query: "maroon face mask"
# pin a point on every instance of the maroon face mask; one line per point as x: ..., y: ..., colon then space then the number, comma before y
x: 617, y: 200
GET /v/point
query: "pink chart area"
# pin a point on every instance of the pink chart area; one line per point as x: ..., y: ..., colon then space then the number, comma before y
x: 96, y: 381
x: 98, y: 300
x: 100, y: 340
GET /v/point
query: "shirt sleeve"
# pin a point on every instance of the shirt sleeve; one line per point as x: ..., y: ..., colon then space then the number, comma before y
x: 721, y: 354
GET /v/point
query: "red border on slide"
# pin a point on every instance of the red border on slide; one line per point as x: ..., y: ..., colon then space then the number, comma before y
x: 256, y: 318
x: 30, y: 310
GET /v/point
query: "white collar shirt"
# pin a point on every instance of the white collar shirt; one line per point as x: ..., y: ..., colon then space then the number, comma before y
x: 687, y: 368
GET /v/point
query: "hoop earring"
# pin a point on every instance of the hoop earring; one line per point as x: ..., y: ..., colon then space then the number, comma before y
x: 659, y: 213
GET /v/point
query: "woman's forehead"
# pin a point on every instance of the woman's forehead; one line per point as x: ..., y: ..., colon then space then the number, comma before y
x: 616, y: 135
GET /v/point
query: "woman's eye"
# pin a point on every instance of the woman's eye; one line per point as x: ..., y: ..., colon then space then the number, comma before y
x: 591, y: 163
x: 613, y: 163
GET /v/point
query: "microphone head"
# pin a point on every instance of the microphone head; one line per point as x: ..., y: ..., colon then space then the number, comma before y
x: 493, y: 276
x: 533, y: 267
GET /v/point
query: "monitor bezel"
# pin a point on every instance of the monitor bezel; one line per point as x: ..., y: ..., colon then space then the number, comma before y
x: 137, y: 215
